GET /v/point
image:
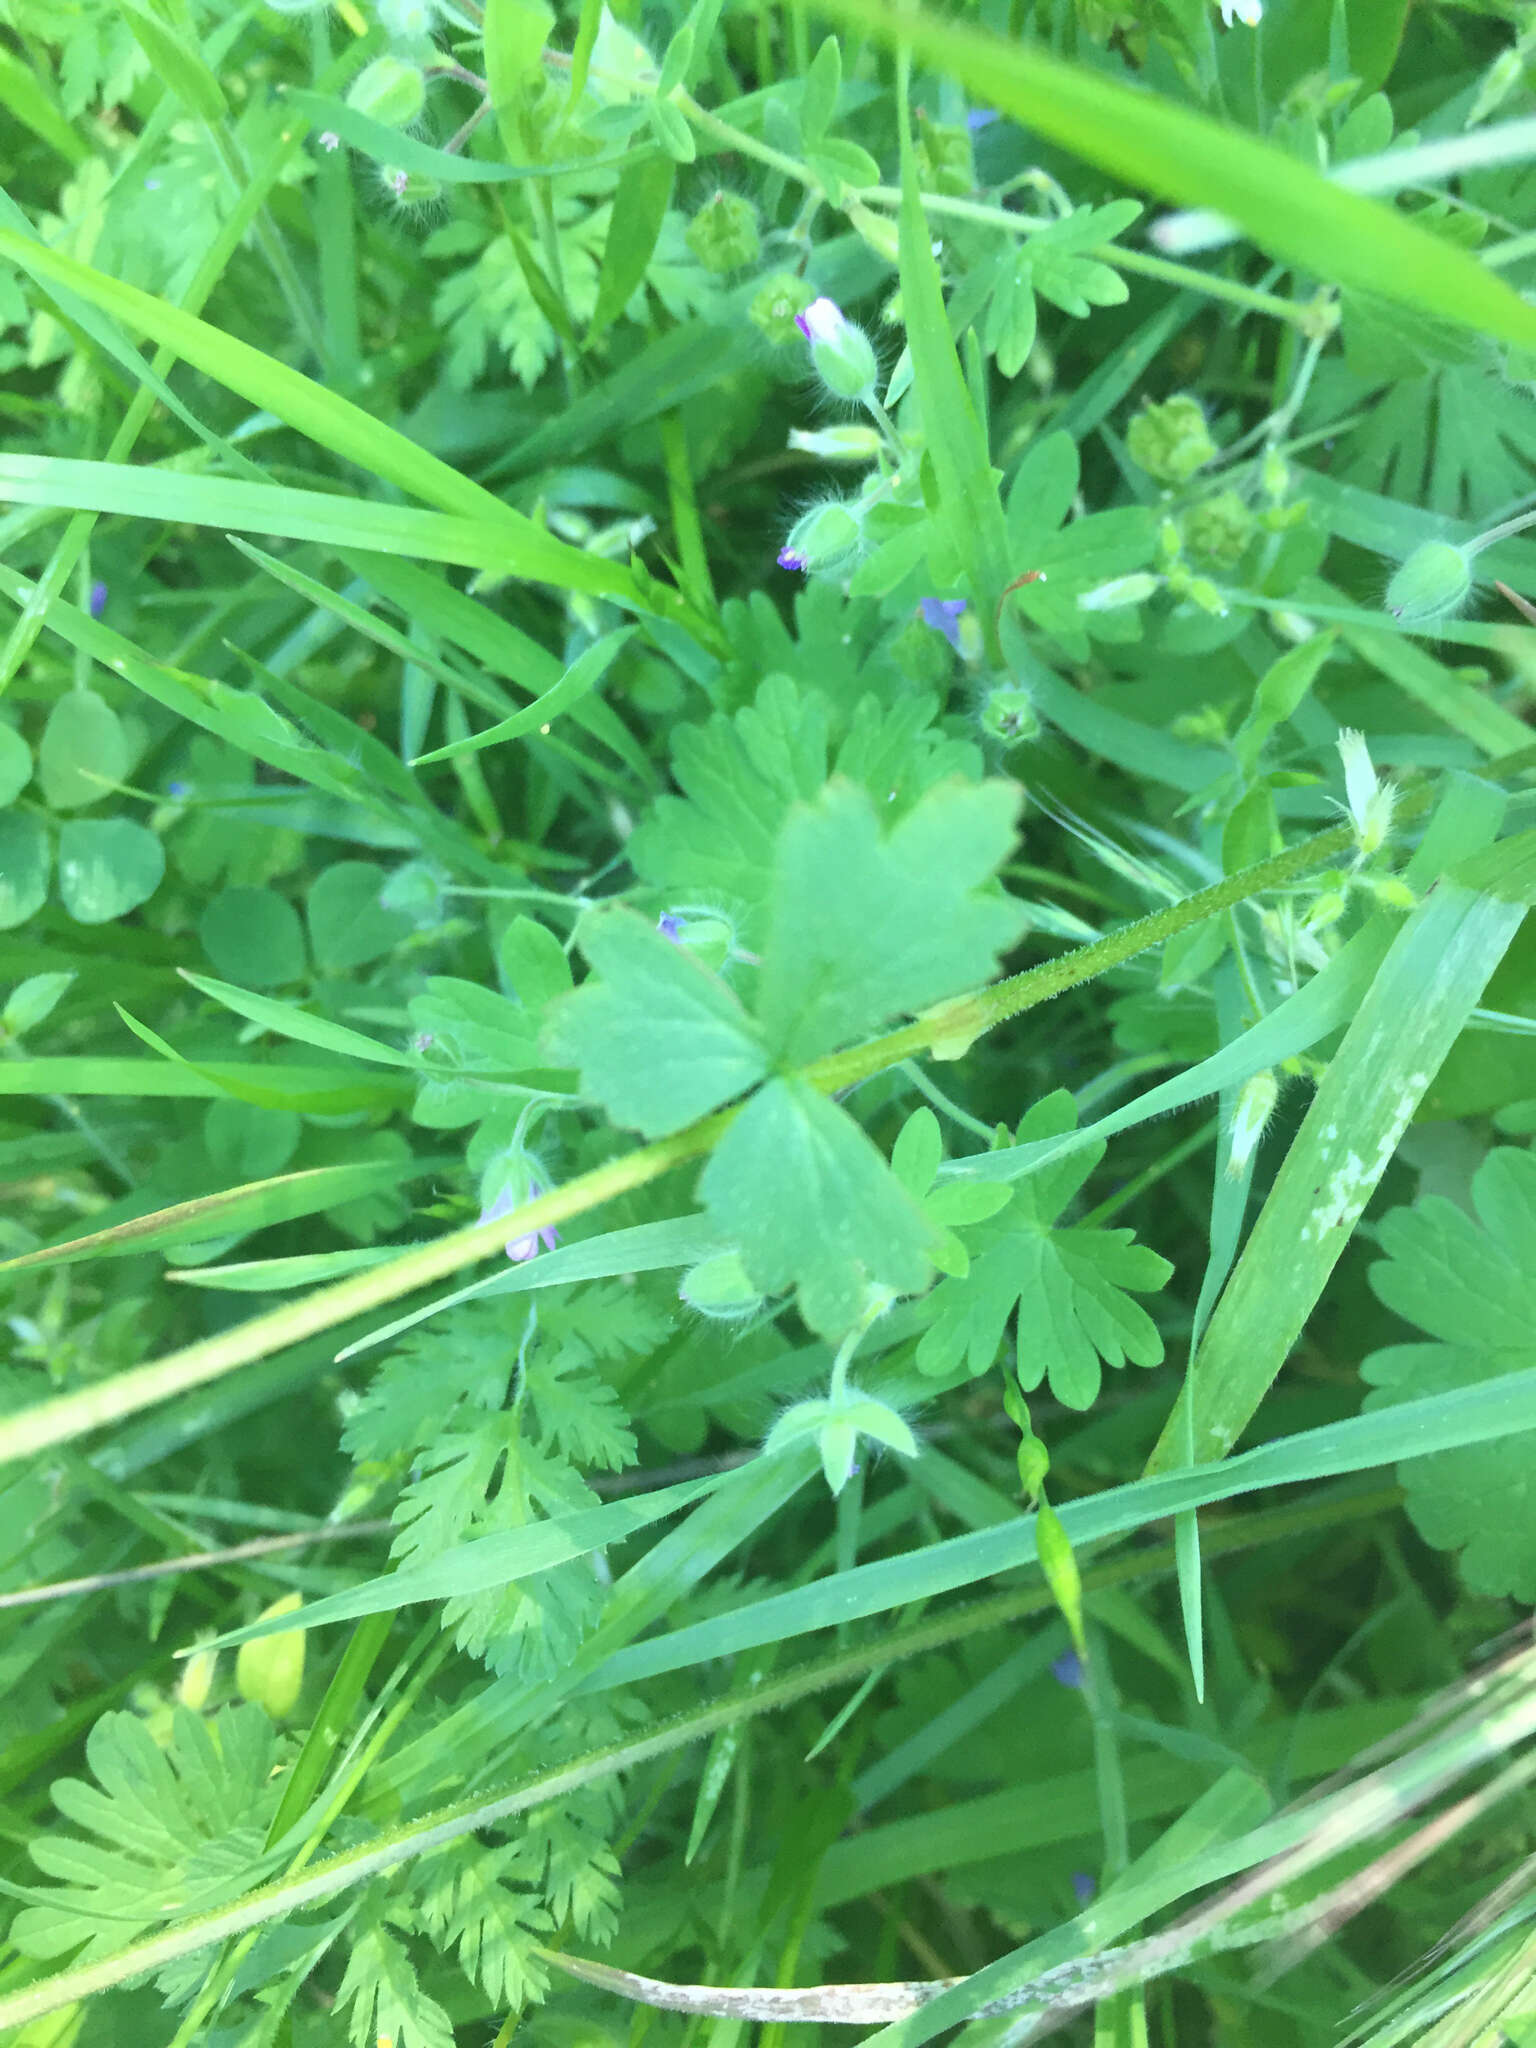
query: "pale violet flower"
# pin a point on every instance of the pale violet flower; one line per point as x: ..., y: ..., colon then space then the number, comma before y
x: 841, y: 353
x: 943, y: 614
x: 1249, y: 12
x: 330, y: 140
x: 520, y: 1249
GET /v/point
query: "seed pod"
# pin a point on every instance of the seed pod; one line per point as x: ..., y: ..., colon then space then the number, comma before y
x: 723, y: 233
x: 1170, y: 441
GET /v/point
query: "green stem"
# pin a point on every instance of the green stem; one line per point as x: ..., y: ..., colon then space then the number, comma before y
x: 1139, y: 262
x: 693, y: 554
x: 946, y: 1032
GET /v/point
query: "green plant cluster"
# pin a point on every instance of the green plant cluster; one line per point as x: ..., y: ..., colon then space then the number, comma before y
x: 738, y: 744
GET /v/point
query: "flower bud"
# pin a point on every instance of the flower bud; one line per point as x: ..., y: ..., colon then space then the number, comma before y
x: 270, y: 1671
x: 837, y: 1422
x: 196, y: 1681
x: 1009, y: 715
x: 1119, y: 593
x: 824, y: 539
x: 776, y: 306
x: 1170, y: 441
x: 1326, y: 910
x: 838, y: 444
x: 1370, y: 800
x: 1255, y: 1105
x: 841, y: 353
x: 875, y: 230
x: 719, y: 1287
x: 723, y: 233
x: 1390, y: 891
x: 388, y: 91
x: 410, y: 190
x: 1434, y: 583
x: 1201, y: 591
x: 407, y: 20
x: 709, y: 937
x: 511, y: 1179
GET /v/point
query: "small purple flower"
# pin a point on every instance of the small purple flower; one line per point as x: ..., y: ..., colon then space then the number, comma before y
x: 980, y: 117
x: 1083, y: 1886
x: 397, y: 182
x: 1067, y: 1669
x: 151, y: 184
x: 98, y: 598
x: 330, y: 140
x: 520, y: 1249
x: 822, y: 320
x: 788, y: 559
x: 670, y: 927
x: 943, y: 614
x: 178, y: 788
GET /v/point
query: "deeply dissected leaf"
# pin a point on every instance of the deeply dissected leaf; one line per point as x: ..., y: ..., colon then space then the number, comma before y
x: 172, y: 1829
x: 1071, y: 1287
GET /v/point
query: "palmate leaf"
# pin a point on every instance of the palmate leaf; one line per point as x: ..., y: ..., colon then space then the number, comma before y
x: 659, y: 1039
x: 1072, y: 1287
x: 866, y: 926
x: 166, y: 1832
x: 812, y: 1205
x: 742, y: 775
x: 1472, y: 1286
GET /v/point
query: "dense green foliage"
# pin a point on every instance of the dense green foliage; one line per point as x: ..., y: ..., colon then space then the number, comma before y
x: 597, y: 605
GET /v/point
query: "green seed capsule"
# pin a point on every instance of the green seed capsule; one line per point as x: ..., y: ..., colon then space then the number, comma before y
x: 1434, y: 583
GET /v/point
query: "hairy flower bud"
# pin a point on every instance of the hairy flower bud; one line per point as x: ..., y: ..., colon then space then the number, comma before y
x: 1434, y: 583
x: 824, y: 539
x: 708, y: 937
x: 1255, y: 1105
x: 841, y: 353
x: 719, y: 1287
